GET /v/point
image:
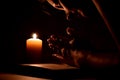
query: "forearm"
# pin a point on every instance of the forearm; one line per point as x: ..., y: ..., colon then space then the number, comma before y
x: 102, y: 60
x: 78, y: 58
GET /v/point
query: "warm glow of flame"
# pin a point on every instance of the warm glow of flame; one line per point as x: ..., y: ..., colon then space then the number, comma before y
x: 34, y: 36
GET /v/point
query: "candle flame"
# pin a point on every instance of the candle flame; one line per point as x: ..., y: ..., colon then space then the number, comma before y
x: 34, y: 36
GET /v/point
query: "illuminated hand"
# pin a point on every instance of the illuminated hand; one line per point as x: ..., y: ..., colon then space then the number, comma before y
x: 55, y: 43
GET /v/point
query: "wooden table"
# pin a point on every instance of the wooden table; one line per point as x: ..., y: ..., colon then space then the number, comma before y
x: 8, y: 76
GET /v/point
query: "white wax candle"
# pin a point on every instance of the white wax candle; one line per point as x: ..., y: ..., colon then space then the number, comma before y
x: 34, y: 47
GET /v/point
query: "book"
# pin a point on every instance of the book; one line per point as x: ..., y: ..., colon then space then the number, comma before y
x: 51, y: 66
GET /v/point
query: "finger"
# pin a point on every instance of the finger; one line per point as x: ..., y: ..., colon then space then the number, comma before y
x: 58, y: 56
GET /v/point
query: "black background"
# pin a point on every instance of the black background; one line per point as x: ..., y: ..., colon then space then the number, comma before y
x: 20, y: 18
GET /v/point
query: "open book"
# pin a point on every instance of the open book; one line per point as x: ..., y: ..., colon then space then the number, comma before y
x: 52, y: 66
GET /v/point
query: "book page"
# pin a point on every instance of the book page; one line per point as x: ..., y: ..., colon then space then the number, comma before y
x: 52, y: 66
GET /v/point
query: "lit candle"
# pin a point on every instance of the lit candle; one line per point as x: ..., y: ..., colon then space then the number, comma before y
x: 34, y: 47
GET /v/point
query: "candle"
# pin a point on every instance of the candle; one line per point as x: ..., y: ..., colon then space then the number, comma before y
x: 34, y: 48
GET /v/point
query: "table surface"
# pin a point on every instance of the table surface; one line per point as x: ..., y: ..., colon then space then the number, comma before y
x: 8, y: 76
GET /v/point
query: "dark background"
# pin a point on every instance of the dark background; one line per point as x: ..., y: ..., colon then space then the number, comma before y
x: 20, y: 18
